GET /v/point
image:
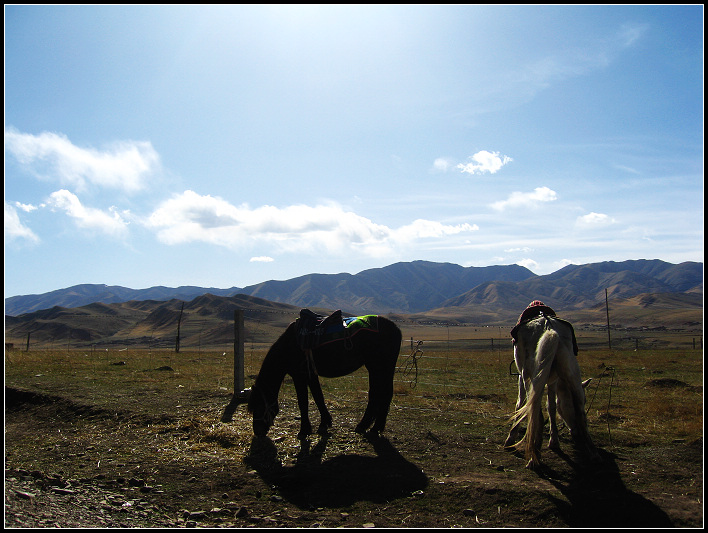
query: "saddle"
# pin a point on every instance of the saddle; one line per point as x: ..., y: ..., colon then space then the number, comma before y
x: 536, y: 309
x: 314, y: 330
x: 311, y: 327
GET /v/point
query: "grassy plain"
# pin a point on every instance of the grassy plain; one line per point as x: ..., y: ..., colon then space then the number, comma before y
x: 653, y: 393
x: 156, y: 413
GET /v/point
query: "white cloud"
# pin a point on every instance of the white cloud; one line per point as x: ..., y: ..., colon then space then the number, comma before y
x: 442, y: 164
x: 14, y: 228
x: 594, y: 220
x: 574, y: 62
x: 485, y: 162
x: 528, y: 263
x: 628, y: 34
x: 526, y: 199
x: 546, y: 267
x: 562, y: 263
x: 87, y: 217
x: 512, y: 88
x: 27, y: 208
x: 428, y: 229
x: 627, y: 169
x: 262, y: 259
x: 125, y: 165
x: 190, y: 217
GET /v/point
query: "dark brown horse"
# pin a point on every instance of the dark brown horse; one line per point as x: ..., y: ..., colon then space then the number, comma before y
x: 375, y: 348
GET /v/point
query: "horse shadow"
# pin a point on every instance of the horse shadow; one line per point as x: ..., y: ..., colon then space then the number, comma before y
x: 338, y: 481
x: 597, y: 496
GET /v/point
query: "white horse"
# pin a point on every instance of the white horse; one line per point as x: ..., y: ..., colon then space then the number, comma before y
x: 544, y: 355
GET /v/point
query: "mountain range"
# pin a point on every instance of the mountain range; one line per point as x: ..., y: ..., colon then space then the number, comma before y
x: 402, y: 287
x: 643, y: 293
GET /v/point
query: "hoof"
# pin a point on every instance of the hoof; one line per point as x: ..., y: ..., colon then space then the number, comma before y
x: 533, y: 465
x: 304, y: 433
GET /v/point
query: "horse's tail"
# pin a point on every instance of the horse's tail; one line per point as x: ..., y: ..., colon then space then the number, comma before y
x: 393, y: 335
x: 544, y: 356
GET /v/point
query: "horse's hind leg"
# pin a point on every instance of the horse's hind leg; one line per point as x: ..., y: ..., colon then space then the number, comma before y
x: 382, y: 367
x: 383, y: 404
x: 380, y: 396
x: 369, y: 413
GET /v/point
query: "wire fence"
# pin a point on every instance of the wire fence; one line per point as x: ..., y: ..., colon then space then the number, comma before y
x: 436, y: 360
x: 203, y: 335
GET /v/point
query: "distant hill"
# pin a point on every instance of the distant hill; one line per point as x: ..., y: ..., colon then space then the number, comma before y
x: 401, y: 287
x: 84, y: 294
x: 577, y: 287
x: 207, y: 319
x: 658, y: 310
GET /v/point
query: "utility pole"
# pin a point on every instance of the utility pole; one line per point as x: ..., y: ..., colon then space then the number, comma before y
x: 238, y: 351
x: 179, y: 323
x: 607, y: 310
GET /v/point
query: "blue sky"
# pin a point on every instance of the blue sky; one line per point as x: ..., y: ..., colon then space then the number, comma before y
x: 225, y: 146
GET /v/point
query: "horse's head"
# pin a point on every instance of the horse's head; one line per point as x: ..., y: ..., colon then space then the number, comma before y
x: 263, y: 403
x: 571, y: 414
x: 264, y: 411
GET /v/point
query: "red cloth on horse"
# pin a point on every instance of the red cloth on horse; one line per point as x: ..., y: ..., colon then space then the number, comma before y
x: 533, y: 310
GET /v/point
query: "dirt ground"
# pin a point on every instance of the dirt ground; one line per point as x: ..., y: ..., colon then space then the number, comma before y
x: 70, y: 464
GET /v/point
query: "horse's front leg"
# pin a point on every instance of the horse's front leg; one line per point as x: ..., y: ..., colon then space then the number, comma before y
x: 302, y: 402
x: 325, y: 417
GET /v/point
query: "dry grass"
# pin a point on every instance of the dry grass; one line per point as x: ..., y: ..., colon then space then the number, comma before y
x: 623, y: 404
x: 157, y: 417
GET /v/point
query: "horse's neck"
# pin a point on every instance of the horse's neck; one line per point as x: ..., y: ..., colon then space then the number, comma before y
x: 274, y: 366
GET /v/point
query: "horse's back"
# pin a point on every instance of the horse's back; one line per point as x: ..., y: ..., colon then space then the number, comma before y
x: 531, y: 332
x: 370, y: 348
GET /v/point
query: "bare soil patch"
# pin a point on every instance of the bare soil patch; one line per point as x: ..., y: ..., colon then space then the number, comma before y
x: 72, y: 464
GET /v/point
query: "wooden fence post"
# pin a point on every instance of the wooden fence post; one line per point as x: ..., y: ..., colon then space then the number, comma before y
x: 240, y: 395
